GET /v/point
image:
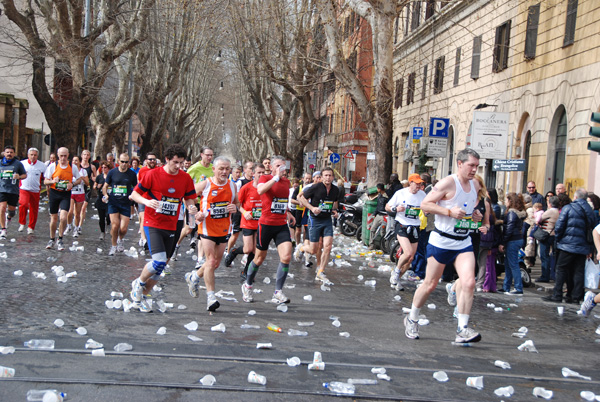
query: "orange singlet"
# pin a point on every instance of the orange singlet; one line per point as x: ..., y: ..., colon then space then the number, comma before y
x: 215, y: 199
x: 65, y: 177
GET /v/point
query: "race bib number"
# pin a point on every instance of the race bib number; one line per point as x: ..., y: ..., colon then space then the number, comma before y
x: 465, y: 225
x: 218, y: 210
x: 168, y: 206
x: 279, y: 206
x: 326, y: 206
x: 412, y: 212
x: 62, y: 185
x: 7, y: 174
x: 119, y: 191
x: 256, y: 213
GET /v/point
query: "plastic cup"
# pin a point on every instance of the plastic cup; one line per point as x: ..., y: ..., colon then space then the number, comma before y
x: 208, y: 380
x: 441, y: 376
x: 561, y: 310
x: 475, y: 382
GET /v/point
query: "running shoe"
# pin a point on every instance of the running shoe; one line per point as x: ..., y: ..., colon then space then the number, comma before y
x: 112, y: 251
x: 467, y: 335
x: 279, y: 297
x: 30, y: 231
x: 412, y: 277
x: 321, y: 277
x: 193, y: 242
x: 175, y: 252
x: 50, y: 244
x: 59, y: 245
x: 394, y: 277
x: 140, y: 242
x: 411, y: 328
x: 298, y: 253
x: 21, y: 228
x: 75, y: 232
x: 192, y: 286
x: 102, y: 235
x: 243, y: 275
x: 120, y: 247
x: 67, y: 230
x: 588, y: 303
x: 212, y: 304
x: 229, y: 259
x: 144, y: 306
x: 3, y: 234
x: 451, y: 294
x: 247, y: 293
x: 308, y: 264
x: 137, y: 291
x: 168, y: 270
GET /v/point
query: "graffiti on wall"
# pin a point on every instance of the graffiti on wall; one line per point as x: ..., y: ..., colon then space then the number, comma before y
x: 572, y: 185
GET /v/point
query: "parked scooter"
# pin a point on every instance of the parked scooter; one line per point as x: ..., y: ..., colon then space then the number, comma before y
x: 351, y: 219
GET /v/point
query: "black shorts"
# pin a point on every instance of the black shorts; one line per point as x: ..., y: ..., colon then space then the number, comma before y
x: 58, y: 200
x: 177, y: 234
x: 10, y: 198
x: 298, y: 215
x: 248, y: 232
x: 160, y: 240
x: 216, y: 239
x: 410, y: 232
x: 236, y: 219
x: 266, y: 233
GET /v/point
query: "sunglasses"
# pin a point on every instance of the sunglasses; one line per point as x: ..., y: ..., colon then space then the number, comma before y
x: 151, y: 159
x: 124, y: 162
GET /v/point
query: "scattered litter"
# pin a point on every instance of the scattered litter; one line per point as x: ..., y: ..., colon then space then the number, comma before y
x: 502, y: 365
x: 293, y: 361
x: 317, y: 364
x: 182, y: 307
x: 283, y: 308
x: 59, y: 323
x: 264, y: 346
x: 92, y: 344
x: 491, y: 305
x: 7, y: 350
x: 249, y: 326
x: 371, y: 283
x: 528, y: 346
x: 336, y: 323
x: 397, y: 298
x: 255, y: 378
x: 360, y: 277
x: 218, y: 328
x: 362, y: 381
x: 475, y: 382
x: 543, y: 393
x: 498, y: 309
x: 423, y: 321
x: 99, y: 250
x: 567, y: 372
x: 292, y: 286
x: 161, y: 331
x: 308, y: 298
x: 295, y: 332
x: 305, y: 323
x: 588, y: 395
x: 513, y: 305
x: 81, y: 331
x: 191, y: 326
x: 325, y: 288
x: 194, y: 338
x: 342, y: 388
x: 98, y: 353
x: 18, y: 273
x: 252, y: 312
x: 505, y: 391
x: 267, y: 280
x: 441, y: 376
x: 378, y: 370
x: 257, y: 291
x: 208, y: 380
x: 123, y: 347
x: 431, y: 306
x: 405, y: 310
x: 345, y: 334
x: 384, y: 377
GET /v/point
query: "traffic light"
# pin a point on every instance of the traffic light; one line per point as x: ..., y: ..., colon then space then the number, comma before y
x: 594, y: 131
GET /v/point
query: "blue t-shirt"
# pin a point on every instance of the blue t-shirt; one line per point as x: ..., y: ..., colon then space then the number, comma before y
x: 121, y: 185
x: 7, y: 170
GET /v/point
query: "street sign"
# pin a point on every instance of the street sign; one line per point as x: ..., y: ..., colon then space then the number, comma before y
x: 490, y: 134
x: 437, y: 147
x: 370, y: 156
x: 417, y: 133
x: 355, y: 152
x: 439, y: 127
x: 311, y: 157
x: 334, y: 158
x: 508, y: 165
x: 349, y: 155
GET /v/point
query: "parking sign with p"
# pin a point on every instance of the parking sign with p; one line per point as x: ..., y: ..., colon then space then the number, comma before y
x: 439, y: 127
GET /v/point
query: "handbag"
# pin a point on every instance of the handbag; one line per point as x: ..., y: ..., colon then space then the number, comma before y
x: 541, y: 235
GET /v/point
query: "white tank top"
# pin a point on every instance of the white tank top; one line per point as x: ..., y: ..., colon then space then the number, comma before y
x: 455, y: 227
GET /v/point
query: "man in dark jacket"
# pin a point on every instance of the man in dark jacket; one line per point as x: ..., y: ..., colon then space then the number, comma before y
x: 393, y: 186
x: 571, y: 240
x: 535, y: 196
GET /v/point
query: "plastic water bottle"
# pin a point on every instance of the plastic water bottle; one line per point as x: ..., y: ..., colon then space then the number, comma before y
x: 40, y: 395
x: 338, y: 387
x: 274, y: 328
x: 7, y: 372
x: 39, y: 344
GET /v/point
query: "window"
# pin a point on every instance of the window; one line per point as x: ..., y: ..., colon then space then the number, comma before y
x: 352, y: 62
x: 533, y: 17
x: 424, y: 93
x: 399, y: 92
x: 429, y: 9
x: 396, y: 23
x: 570, y: 25
x: 407, y: 10
x: 476, y: 57
x: 560, y: 148
x: 438, y: 79
x: 457, y: 67
x: 410, y: 93
x: 416, y: 15
x: 501, y: 45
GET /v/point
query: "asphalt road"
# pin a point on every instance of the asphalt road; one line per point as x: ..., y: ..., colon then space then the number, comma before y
x: 168, y: 367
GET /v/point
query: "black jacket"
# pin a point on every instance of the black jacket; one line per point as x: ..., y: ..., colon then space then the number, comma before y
x: 571, y: 225
x: 513, y: 225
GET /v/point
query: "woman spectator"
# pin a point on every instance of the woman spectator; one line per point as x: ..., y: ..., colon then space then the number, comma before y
x: 494, y: 203
x: 563, y: 199
x: 493, y: 238
x: 548, y: 195
x: 135, y: 164
x: 512, y: 238
x: 547, y: 223
x: 101, y: 206
x: 484, y: 234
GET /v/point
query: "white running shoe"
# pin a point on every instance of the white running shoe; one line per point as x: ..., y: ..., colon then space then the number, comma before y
x: 67, y: 230
x: 298, y: 253
x: 192, y: 286
x: 144, y: 306
x: 588, y: 303
x: 451, y: 295
x: 120, y: 247
x: 411, y: 328
x: 59, y: 245
x: 279, y: 297
x: 467, y: 335
x: 137, y: 291
x: 3, y: 234
x: 247, y: 293
x: 50, y: 244
x: 321, y: 277
x: 394, y: 276
x: 112, y: 251
x: 30, y: 231
x: 102, y: 235
x: 75, y: 233
x: 21, y: 228
x: 212, y: 304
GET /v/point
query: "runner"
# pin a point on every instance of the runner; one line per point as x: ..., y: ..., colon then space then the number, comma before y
x: 11, y: 171
x: 305, y: 247
x: 199, y: 172
x: 29, y: 193
x: 322, y: 206
x: 77, y: 200
x: 250, y: 208
x: 150, y: 164
x: 60, y: 177
x: 299, y: 212
x: 121, y: 181
x: 272, y: 225
x: 267, y: 164
x: 406, y: 204
x: 165, y: 189
x: 453, y: 200
x: 102, y: 207
x: 91, y: 175
x: 218, y: 200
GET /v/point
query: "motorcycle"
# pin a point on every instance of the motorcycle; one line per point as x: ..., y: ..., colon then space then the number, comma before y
x: 350, y: 220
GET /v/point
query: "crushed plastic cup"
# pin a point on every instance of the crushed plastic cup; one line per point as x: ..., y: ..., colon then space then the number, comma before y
x: 92, y: 344
x: 283, y: 308
x: 423, y: 321
x: 308, y: 298
x: 98, y: 353
x: 475, y: 382
x: 62, y: 279
x: 397, y: 298
x: 498, y: 309
x: 378, y: 370
x: 191, y: 326
x: 7, y: 350
x: 502, y: 365
x: 117, y: 304
x: 431, y: 306
x: 127, y: 305
x: 7, y: 372
x: 182, y: 307
x: 523, y: 330
x: 99, y: 250
x: 249, y: 326
x: 18, y: 273
x: 295, y: 332
x: 59, y: 323
x: 345, y: 334
x: 81, y: 331
x: 194, y: 338
x: 543, y: 393
x: 567, y: 372
x: 208, y: 380
x: 325, y: 288
x: 122, y: 347
x: 109, y: 304
x: 255, y: 378
x: 161, y: 331
x: 336, y: 323
x: 293, y: 361
x: 264, y: 345
x: 316, y: 366
x: 360, y: 277
x: 305, y: 323
x: 384, y: 377
x: 252, y: 312
x: 218, y: 328
x: 527, y: 346
x: 587, y: 395
x: 267, y: 280
x: 371, y: 282
x: 362, y: 381
x: 505, y: 391
x: 162, y: 306
x: 441, y: 376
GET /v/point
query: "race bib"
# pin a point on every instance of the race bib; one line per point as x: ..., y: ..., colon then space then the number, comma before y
x: 168, y: 206
x: 218, y: 210
x: 412, y: 212
x: 120, y: 191
x: 7, y: 174
x: 326, y: 206
x: 279, y: 206
x: 62, y: 185
x: 256, y: 213
x: 465, y: 225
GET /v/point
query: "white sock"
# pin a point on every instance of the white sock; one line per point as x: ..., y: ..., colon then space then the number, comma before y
x: 210, y: 293
x: 195, y: 277
x: 414, y: 313
x: 463, y: 321
x: 307, y: 257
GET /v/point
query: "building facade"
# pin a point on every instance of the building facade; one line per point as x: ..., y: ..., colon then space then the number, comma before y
x: 535, y: 60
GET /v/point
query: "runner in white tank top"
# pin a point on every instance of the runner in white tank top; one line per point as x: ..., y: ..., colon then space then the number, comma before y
x: 450, y: 243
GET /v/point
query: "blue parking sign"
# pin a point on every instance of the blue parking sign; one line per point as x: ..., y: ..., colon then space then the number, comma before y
x: 439, y: 127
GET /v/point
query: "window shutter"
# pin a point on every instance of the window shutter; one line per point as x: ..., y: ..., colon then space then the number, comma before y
x: 424, y: 94
x: 571, y: 22
x: 476, y: 57
x: 506, y: 45
x: 533, y: 18
x: 497, y: 50
x: 457, y: 67
x: 398, y: 94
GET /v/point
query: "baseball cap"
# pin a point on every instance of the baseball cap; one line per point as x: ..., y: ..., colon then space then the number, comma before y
x: 416, y: 178
x: 317, y: 173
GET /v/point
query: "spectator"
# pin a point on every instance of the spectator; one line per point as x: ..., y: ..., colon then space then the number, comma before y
x: 481, y: 236
x: 535, y: 196
x: 547, y: 222
x: 495, y: 206
x: 380, y: 212
x: 528, y: 247
x: 571, y: 241
x: 512, y: 239
x: 492, y: 240
x: 594, y: 202
x: 560, y: 189
x: 362, y: 186
x: 563, y: 199
x: 393, y: 186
